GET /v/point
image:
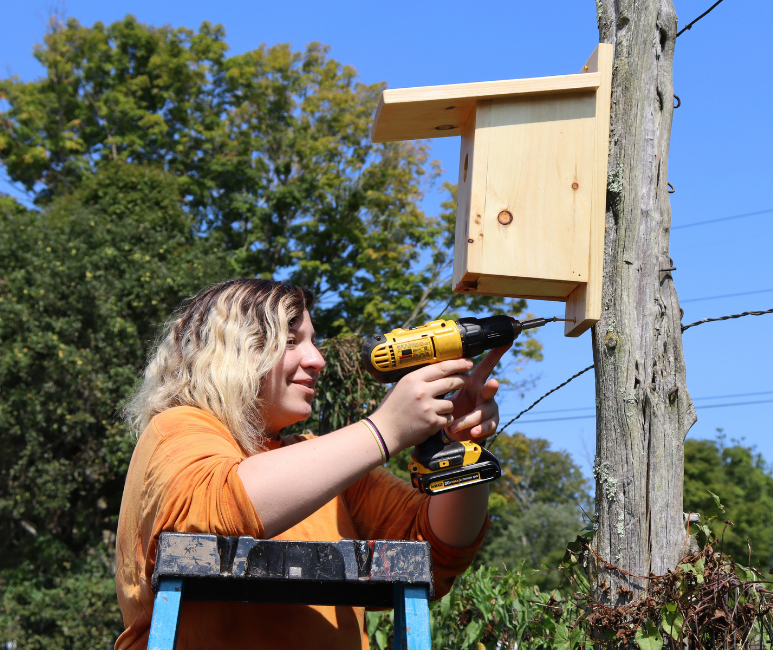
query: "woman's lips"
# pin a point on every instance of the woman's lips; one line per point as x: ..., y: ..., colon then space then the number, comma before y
x: 306, y: 388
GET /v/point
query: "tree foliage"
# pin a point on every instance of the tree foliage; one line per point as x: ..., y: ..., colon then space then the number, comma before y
x: 536, y: 508
x: 270, y: 148
x: 743, y: 481
x: 77, y: 610
x: 84, y: 288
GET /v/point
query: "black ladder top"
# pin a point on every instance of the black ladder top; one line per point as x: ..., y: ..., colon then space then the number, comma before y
x: 244, y: 569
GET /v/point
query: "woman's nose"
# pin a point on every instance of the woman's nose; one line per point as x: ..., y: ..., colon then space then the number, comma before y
x: 313, y: 359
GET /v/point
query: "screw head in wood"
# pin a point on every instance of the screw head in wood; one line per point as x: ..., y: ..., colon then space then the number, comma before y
x: 505, y: 217
x: 470, y: 241
x: 445, y: 127
x: 575, y: 186
x: 450, y: 108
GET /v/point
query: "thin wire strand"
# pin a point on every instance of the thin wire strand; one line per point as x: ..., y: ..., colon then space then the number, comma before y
x: 735, y: 216
x: 689, y: 25
x: 716, y: 406
x: 694, y: 399
x: 448, y: 304
x: 493, y: 438
x: 697, y: 406
x: 727, y: 295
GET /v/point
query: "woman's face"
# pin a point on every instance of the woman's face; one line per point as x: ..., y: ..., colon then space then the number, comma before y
x: 288, y: 388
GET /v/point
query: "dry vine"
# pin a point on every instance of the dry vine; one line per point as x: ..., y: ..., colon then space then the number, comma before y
x: 708, y: 602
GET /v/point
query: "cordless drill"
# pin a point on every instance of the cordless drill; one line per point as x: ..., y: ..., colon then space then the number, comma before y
x: 440, y: 466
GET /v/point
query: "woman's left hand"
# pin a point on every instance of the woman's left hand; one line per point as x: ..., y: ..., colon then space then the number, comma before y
x: 476, y: 414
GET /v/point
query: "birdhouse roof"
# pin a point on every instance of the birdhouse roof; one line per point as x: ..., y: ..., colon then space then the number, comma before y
x: 441, y: 111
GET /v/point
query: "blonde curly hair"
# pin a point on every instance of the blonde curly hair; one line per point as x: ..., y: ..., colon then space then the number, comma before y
x: 215, y: 351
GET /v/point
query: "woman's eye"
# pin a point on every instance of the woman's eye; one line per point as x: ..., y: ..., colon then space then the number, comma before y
x: 290, y: 342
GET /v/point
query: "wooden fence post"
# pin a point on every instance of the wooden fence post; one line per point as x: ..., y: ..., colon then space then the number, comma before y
x: 644, y: 410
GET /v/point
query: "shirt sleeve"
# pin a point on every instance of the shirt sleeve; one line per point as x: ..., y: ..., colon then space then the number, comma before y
x: 192, y: 482
x: 383, y: 506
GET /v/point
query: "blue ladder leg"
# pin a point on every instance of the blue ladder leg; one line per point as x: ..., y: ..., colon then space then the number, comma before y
x: 166, y: 614
x: 412, y: 618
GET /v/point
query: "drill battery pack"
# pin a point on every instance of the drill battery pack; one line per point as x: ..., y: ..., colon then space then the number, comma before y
x: 437, y: 467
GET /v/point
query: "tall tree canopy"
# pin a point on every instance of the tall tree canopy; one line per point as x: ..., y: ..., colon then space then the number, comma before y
x: 270, y: 148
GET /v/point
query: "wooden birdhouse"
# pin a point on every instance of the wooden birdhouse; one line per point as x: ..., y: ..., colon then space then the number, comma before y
x: 532, y: 180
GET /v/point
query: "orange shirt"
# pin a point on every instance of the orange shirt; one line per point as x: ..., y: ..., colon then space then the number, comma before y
x: 182, y: 478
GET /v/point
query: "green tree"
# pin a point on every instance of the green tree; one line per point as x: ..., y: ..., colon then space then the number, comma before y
x: 536, y: 507
x: 744, y: 483
x: 83, y: 289
x: 70, y: 610
x: 271, y: 150
x: 84, y: 286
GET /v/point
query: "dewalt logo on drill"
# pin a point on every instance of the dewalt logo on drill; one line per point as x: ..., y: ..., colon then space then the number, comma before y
x: 439, y: 486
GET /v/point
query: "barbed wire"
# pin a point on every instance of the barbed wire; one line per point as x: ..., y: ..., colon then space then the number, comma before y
x: 584, y: 370
x: 572, y: 378
x: 713, y: 320
x: 689, y: 25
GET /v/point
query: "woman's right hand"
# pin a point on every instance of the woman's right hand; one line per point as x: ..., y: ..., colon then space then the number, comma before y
x: 412, y: 411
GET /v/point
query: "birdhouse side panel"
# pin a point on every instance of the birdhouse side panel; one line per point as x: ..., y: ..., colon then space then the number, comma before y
x: 466, y: 161
x: 583, y: 307
x: 471, y: 195
x: 536, y: 221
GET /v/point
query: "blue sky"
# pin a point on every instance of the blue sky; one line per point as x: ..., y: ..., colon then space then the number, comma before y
x: 720, y: 163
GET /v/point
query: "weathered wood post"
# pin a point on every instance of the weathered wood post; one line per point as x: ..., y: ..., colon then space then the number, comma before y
x: 643, y: 408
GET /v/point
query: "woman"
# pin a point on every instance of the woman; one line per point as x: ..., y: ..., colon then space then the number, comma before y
x: 233, y: 368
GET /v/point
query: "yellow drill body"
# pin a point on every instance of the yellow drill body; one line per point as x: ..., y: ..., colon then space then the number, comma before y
x: 432, y: 342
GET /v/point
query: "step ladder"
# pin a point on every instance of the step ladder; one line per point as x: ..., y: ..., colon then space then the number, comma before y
x: 378, y: 573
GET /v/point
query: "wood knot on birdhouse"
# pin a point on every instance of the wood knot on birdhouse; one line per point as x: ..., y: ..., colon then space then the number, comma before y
x: 505, y: 217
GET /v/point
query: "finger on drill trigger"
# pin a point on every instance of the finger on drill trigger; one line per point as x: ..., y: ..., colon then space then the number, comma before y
x: 449, y: 384
x: 489, y: 362
x: 443, y: 369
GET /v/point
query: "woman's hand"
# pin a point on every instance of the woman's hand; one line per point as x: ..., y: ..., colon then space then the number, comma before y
x: 412, y: 410
x: 476, y: 414
x: 456, y: 517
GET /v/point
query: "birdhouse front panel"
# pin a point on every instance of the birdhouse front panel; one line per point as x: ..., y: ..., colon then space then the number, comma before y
x: 524, y: 207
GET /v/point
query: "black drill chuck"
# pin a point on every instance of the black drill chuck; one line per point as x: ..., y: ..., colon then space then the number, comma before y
x: 481, y: 334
